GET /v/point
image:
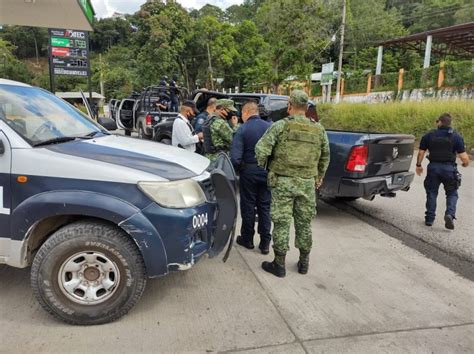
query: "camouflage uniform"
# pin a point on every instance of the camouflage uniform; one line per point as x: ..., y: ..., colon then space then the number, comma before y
x: 221, y: 131
x: 292, y: 183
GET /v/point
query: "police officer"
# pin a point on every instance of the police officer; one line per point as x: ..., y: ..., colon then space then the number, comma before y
x: 174, y: 94
x: 254, y: 191
x: 204, y: 115
x: 443, y: 144
x: 219, y: 130
x: 298, y: 149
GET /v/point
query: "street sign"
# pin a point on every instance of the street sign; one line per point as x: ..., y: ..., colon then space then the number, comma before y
x: 327, y: 73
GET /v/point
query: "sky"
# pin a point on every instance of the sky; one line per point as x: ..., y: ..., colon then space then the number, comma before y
x: 105, y: 8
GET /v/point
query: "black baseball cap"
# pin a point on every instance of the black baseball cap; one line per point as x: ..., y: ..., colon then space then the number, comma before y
x: 191, y: 104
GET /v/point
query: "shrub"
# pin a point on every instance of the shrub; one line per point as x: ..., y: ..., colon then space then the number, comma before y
x: 399, y: 117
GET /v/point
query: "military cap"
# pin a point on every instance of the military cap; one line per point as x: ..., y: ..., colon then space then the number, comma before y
x: 226, y: 103
x: 299, y: 97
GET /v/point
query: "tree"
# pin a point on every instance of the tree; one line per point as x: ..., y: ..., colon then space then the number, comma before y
x: 108, y: 32
x: 250, y: 66
x: 10, y: 67
x: 29, y: 42
x: 296, y: 33
x: 213, y: 11
x: 363, y: 35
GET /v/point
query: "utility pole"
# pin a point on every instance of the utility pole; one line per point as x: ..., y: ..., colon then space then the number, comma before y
x: 102, y: 91
x: 210, y: 66
x: 341, y: 51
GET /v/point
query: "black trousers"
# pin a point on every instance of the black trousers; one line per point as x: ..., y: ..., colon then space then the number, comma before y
x: 255, y: 196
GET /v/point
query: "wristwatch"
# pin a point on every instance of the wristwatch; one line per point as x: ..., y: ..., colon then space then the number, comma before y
x: 418, y: 165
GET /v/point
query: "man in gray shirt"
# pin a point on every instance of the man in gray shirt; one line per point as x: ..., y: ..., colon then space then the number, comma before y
x: 183, y: 133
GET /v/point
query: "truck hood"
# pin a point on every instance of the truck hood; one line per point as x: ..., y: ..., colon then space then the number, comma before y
x: 166, y: 162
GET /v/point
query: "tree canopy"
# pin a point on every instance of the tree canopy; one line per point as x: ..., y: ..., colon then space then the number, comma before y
x: 257, y: 44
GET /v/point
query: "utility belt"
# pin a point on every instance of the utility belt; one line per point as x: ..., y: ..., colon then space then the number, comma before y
x: 444, y: 162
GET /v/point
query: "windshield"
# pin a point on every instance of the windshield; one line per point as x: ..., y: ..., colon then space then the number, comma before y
x: 39, y: 116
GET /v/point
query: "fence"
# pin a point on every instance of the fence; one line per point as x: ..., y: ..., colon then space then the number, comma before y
x: 445, y: 74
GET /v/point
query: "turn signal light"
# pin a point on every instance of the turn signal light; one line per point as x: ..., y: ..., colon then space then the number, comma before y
x: 22, y: 179
x: 357, y: 160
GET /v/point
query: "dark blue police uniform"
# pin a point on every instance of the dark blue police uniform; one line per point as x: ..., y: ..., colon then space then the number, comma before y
x: 254, y: 191
x: 174, y: 96
x: 443, y: 144
x: 200, y: 119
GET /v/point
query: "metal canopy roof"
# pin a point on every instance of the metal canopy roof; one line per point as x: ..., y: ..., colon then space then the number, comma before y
x: 71, y: 14
x: 456, y: 40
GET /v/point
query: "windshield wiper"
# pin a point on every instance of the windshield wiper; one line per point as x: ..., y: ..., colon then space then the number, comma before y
x: 94, y: 133
x: 57, y: 140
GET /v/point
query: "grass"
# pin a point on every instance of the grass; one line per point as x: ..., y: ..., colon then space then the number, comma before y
x: 396, y: 117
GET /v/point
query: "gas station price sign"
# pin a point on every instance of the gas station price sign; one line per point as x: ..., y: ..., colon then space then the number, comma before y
x: 69, y: 52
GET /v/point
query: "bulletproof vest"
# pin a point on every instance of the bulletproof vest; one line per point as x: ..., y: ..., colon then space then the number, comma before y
x: 298, y: 151
x: 207, y: 145
x: 442, y: 148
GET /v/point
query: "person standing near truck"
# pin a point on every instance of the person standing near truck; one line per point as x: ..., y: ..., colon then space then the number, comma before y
x: 297, y: 151
x: 443, y: 144
x: 218, y: 131
x: 183, y: 134
x: 174, y: 94
x: 202, y: 117
x: 254, y: 191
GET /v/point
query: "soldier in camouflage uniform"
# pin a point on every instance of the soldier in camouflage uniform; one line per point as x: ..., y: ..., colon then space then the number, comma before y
x: 297, y: 150
x: 222, y: 130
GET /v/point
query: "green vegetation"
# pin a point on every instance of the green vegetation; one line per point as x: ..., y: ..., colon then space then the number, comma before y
x: 253, y: 46
x: 409, y: 117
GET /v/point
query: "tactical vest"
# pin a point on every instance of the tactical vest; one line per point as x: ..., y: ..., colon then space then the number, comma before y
x: 442, y: 149
x: 298, y: 151
x: 207, y: 145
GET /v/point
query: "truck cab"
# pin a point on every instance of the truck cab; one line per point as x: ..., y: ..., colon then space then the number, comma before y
x: 94, y: 214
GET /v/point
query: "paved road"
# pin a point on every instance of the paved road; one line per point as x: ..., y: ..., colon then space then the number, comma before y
x: 366, y: 292
x: 406, y: 212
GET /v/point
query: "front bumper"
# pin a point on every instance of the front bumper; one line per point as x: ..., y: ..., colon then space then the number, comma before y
x: 366, y: 187
x: 188, y: 234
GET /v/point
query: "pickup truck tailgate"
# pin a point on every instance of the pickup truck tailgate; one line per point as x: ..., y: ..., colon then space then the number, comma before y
x: 389, y: 153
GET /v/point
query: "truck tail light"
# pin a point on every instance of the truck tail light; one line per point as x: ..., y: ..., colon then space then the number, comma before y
x: 148, y: 119
x: 357, y: 160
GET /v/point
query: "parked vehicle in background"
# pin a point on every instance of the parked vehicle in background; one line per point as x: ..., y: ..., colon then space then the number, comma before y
x: 112, y: 108
x: 142, y: 111
x: 362, y: 165
x: 94, y: 214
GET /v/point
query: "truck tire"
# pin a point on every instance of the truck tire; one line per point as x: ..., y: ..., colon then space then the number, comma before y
x: 88, y: 273
x: 141, y: 133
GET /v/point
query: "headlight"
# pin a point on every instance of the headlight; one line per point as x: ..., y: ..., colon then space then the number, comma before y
x: 178, y: 194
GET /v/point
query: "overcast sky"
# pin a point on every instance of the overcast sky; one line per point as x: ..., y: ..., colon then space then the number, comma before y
x: 105, y: 8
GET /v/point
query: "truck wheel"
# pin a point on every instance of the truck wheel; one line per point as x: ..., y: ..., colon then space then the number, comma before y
x: 141, y: 133
x: 88, y: 273
x: 166, y: 141
x: 128, y: 133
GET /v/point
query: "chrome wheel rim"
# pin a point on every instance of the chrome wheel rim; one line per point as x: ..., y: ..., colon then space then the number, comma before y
x: 89, y: 278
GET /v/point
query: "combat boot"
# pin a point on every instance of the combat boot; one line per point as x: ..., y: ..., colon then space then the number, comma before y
x: 277, y: 267
x: 303, y: 263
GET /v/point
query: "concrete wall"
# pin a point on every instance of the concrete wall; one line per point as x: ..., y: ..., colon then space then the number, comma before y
x: 447, y: 93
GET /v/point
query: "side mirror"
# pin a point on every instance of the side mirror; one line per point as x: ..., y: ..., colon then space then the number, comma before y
x: 108, y: 123
x: 2, y: 147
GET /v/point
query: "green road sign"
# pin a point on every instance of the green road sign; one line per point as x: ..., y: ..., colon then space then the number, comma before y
x: 60, y: 42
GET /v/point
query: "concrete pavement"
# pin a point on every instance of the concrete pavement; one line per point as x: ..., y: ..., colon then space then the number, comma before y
x: 406, y: 212
x: 366, y: 292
